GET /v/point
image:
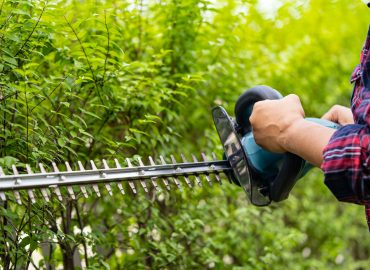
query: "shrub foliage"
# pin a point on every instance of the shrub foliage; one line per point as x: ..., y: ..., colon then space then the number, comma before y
x: 91, y: 79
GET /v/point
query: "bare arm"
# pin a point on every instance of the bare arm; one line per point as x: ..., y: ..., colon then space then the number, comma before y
x: 307, y: 140
x: 279, y: 126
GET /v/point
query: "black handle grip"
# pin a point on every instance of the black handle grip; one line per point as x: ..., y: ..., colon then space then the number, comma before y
x: 244, y: 104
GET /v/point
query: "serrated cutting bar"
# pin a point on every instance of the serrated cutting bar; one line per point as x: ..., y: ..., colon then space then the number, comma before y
x: 154, y: 182
x: 175, y: 179
x: 173, y: 160
x: 195, y: 175
x: 164, y: 180
x: 55, y: 179
x: 141, y: 172
x: 206, y: 175
x: 131, y: 184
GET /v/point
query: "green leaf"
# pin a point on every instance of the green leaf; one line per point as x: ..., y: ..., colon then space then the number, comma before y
x: 61, y: 142
x: 10, y: 60
x: 90, y: 113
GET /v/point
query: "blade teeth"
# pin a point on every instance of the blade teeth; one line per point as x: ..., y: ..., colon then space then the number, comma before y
x: 32, y: 196
x: 55, y: 167
x: 80, y: 166
x: 105, y: 164
x: 117, y: 163
x: 165, y: 182
x: 144, y: 186
x: 119, y: 184
x: 185, y: 177
x: 174, y: 177
x: 2, y: 194
x: 162, y: 160
x: 173, y: 159
x: 140, y: 162
x: 206, y: 175
x: 132, y: 186
x: 45, y: 194
x: 57, y: 192
x: 17, y: 197
x: 28, y: 168
x: 198, y: 180
x: 69, y: 169
x: 195, y: 175
x: 130, y: 183
x: 93, y: 166
x: 216, y: 174
x: 155, y: 183
x: 121, y: 188
x: 96, y: 189
x: 56, y: 188
x: 107, y: 186
x: 183, y: 158
x: 16, y: 193
x: 71, y: 193
x: 129, y: 164
x: 84, y: 191
x: 42, y: 169
x: 151, y: 161
x: 164, y: 179
x: 109, y: 189
x: 153, y: 178
x: 15, y: 170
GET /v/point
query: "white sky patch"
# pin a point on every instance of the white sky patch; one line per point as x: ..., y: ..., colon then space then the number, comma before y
x: 269, y: 7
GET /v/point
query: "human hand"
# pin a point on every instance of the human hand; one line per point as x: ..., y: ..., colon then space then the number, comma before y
x: 340, y: 115
x: 272, y: 119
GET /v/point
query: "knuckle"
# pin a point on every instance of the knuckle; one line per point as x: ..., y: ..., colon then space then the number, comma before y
x: 293, y: 97
x: 336, y: 107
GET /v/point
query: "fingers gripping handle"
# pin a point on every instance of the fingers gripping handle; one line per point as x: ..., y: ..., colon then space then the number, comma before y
x: 291, y: 167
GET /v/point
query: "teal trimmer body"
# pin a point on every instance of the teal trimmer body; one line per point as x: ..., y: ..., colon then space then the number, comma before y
x: 264, y: 176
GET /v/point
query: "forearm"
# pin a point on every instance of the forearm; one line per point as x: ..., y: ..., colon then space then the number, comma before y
x: 307, y: 140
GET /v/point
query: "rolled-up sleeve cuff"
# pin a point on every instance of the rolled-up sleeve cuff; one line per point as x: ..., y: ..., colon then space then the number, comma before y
x: 342, y: 163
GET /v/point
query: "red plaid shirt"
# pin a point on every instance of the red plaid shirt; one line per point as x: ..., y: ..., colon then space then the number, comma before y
x: 347, y: 156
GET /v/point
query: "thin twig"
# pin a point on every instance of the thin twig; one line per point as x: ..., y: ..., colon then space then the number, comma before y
x: 52, y: 91
x: 27, y: 123
x: 33, y: 30
x: 108, y: 47
x: 17, y: 238
x: 87, y: 58
x: 31, y: 229
x: 82, y: 236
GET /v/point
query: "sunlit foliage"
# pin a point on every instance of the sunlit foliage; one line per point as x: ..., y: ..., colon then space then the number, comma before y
x: 112, y: 79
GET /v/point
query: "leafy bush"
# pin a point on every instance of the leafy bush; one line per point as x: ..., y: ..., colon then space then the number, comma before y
x: 114, y: 79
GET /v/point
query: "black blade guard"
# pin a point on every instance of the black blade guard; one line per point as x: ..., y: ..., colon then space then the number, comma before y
x: 235, y: 154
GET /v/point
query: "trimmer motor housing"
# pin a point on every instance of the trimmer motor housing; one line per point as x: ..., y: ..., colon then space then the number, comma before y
x: 264, y: 176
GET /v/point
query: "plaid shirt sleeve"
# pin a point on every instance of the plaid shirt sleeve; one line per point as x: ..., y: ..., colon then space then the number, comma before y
x: 346, y: 162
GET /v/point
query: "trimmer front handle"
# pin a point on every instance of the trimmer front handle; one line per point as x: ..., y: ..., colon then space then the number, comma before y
x: 271, y: 175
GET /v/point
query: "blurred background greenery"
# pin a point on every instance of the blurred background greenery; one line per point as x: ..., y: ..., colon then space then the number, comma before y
x: 112, y: 79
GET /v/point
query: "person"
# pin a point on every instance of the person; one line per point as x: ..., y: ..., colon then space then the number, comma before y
x: 343, y: 154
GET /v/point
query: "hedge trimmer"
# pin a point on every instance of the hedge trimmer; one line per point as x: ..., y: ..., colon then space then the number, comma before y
x: 263, y: 175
